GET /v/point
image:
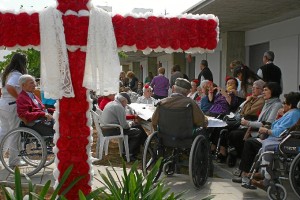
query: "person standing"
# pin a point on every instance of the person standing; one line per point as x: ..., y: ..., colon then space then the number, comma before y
x: 160, y: 84
x: 270, y: 72
x: 176, y: 73
x: 10, y: 91
x: 205, y: 73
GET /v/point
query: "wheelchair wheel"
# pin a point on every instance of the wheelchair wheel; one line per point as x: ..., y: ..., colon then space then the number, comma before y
x: 169, y: 168
x: 50, y: 154
x: 294, y: 175
x: 277, y: 192
x: 152, y: 152
x: 199, y: 161
x: 24, y: 145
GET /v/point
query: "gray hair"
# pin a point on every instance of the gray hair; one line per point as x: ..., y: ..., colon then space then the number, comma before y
x: 181, y: 90
x: 269, y: 55
x: 24, y: 78
x: 203, y: 83
x: 120, y: 98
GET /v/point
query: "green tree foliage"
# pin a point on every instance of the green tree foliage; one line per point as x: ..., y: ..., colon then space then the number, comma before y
x: 33, y: 57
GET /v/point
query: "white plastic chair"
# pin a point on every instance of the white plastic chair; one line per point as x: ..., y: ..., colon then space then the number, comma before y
x: 103, y: 141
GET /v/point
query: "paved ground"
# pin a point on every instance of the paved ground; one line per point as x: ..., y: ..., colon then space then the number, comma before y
x: 220, y: 188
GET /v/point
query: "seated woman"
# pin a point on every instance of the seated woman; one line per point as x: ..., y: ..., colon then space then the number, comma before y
x: 291, y: 117
x: 204, y: 102
x: 193, y: 92
x: 31, y: 110
x: 223, y: 102
x: 106, y: 98
x: 249, y: 110
x: 268, y: 115
x: 252, y: 145
x: 147, y: 96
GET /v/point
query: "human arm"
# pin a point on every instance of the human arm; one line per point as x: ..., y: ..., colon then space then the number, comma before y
x: 12, y: 91
x: 27, y: 111
x: 287, y: 121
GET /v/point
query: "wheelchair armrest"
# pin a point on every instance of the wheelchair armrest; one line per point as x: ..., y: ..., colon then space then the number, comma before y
x: 295, y: 133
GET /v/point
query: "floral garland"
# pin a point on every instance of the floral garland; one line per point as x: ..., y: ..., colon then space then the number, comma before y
x: 189, y: 33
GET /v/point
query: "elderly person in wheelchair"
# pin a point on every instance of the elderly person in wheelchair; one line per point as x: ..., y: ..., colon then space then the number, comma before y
x: 273, y: 134
x: 177, y: 120
x: 31, y: 110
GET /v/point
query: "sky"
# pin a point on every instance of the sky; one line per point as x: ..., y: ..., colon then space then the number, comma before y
x: 118, y: 6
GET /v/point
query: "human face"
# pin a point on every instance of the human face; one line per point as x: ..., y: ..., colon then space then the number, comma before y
x: 256, y: 91
x: 286, y: 107
x: 147, y: 93
x: 267, y: 93
x: 29, y: 85
x: 194, y: 86
x: 265, y: 60
x: 231, y: 84
x: 202, y: 67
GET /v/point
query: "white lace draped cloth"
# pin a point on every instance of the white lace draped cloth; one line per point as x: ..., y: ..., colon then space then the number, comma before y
x: 55, y: 73
x: 102, y: 66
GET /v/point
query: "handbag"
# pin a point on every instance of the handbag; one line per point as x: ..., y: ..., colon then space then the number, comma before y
x: 232, y: 122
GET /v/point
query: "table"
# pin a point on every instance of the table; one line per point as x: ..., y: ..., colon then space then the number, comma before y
x: 145, y: 112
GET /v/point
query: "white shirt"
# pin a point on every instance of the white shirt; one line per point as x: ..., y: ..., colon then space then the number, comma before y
x: 12, y: 80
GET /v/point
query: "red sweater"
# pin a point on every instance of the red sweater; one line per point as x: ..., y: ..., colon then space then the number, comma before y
x: 104, y: 101
x: 27, y: 110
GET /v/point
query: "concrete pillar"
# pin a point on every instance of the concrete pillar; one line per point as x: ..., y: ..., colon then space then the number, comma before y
x: 233, y: 48
x: 152, y: 66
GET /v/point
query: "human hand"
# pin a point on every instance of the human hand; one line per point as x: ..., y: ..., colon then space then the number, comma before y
x: 48, y: 116
x: 263, y: 130
x: 244, y: 122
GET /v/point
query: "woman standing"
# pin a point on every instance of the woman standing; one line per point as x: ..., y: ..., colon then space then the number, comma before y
x: 10, y: 91
x: 160, y: 84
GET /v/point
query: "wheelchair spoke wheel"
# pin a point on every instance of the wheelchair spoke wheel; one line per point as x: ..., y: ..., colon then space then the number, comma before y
x: 276, y: 192
x: 152, y: 152
x: 50, y: 154
x: 199, y: 161
x: 294, y: 175
x: 24, y: 148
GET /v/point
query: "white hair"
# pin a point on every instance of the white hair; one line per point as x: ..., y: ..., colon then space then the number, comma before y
x: 24, y: 78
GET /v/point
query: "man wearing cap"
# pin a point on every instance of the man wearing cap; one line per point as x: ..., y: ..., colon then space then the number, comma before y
x: 179, y: 99
x: 205, y: 73
x: 114, y: 113
x: 270, y: 72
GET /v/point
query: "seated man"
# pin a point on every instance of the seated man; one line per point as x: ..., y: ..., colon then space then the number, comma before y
x: 114, y: 113
x: 179, y: 99
x: 31, y: 110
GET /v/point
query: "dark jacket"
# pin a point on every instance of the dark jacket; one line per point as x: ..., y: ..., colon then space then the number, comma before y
x: 206, y: 73
x: 271, y: 73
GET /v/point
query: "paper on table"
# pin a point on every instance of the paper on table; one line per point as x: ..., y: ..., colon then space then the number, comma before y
x: 213, y: 122
x: 144, y: 111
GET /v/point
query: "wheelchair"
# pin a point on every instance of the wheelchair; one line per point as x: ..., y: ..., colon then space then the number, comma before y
x: 285, y: 165
x: 31, y: 147
x: 177, y: 146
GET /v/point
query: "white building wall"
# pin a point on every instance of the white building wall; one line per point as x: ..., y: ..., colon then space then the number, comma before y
x: 284, y: 41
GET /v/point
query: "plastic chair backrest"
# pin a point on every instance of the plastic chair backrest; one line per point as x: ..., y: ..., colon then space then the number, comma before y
x: 96, y: 119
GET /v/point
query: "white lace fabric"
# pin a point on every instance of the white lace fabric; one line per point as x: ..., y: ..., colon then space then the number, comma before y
x: 55, y: 72
x: 102, y: 66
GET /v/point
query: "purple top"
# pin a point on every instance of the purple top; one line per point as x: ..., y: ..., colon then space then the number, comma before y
x: 160, y: 85
x: 221, y: 106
